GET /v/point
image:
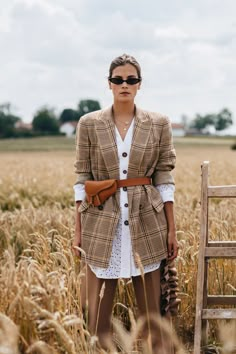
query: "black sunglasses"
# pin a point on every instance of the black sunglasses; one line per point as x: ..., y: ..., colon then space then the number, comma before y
x: 129, y: 81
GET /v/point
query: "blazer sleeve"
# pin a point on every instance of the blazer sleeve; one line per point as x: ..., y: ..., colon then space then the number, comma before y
x: 167, y: 156
x: 83, y: 162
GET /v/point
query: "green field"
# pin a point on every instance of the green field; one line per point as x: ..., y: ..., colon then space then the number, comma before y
x: 50, y: 143
x: 63, y: 143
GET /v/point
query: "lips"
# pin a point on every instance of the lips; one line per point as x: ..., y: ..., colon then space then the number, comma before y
x: 124, y: 93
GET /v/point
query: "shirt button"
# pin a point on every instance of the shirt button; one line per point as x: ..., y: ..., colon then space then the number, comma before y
x: 126, y: 205
x: 124, y: 172
x: 124, y: 154
x: 125, y: 189
x: 126, y: 222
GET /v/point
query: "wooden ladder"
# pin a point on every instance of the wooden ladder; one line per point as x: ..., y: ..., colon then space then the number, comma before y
x: 208, y: 250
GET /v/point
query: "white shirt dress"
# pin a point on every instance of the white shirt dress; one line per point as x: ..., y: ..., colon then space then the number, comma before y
x: 121, y: 264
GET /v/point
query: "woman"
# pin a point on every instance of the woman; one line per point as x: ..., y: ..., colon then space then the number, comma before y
x: 136, y: 223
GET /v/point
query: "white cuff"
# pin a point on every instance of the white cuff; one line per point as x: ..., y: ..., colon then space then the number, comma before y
x: 79, y: 192
x: 167, y: 192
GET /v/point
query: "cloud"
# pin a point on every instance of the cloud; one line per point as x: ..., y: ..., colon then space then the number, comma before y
x: 171, y: 32
x: 59, y: 52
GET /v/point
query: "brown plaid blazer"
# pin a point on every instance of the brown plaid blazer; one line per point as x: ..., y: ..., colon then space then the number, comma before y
x: 152, y: 154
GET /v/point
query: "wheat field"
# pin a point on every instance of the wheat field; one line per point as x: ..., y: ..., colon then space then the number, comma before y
x: 40, y: 278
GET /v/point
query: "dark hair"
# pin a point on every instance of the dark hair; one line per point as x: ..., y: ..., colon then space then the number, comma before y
x: 122, y: 60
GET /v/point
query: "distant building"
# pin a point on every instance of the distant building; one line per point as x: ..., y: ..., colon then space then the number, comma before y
x: 192, y: 132
x: 68, y: 128
x: 23, y: 126
x: 178, y: 129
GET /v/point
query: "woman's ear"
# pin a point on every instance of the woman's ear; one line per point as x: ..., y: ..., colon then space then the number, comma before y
x: 109, y: 83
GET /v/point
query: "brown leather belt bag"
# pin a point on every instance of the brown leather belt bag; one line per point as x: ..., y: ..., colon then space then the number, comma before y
x: 98, y: 191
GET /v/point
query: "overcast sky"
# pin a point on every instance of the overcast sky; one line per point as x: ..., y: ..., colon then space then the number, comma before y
x: 57, y: 52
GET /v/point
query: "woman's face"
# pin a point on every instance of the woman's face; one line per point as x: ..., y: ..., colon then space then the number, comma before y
x: 124, y: 92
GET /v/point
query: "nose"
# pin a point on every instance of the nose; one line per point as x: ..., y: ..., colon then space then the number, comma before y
x: 124, y: 84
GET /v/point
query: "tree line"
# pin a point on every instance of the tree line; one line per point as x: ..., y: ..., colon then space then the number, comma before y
x: 46, y: 122
x: 220, y: 121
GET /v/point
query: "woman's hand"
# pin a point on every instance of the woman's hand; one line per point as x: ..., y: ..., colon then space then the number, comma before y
x: 76, y: 243
x: 77, y: 238
x: 172, y: 245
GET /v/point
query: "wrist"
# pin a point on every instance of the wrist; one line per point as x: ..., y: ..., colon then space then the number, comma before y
x: 172, y: 229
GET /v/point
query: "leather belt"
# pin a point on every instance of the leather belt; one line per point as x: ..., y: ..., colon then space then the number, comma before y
x: 97, y: 192
x: 130, y: 182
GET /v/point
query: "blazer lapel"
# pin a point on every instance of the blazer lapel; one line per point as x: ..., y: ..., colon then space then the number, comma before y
x: 142, y: 129
x: 105, y: 131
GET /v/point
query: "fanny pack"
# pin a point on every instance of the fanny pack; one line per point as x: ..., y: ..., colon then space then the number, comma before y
x: 99, y: 191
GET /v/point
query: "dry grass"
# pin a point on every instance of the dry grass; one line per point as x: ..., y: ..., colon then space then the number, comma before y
x: 39, y: 278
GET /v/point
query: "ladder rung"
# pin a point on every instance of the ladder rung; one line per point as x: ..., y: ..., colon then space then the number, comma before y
x: 222, y: 244
x: 221, y: 300
x: 220, y: 252
x: 222, y: 191
x: 214, y: 314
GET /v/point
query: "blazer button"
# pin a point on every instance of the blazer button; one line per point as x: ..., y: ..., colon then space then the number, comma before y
x: 126, y: 222
x: 124, y: 154
x: 100, y: 207
x: 125, y: 172
x: 125, y: 189
x: 126, y: 205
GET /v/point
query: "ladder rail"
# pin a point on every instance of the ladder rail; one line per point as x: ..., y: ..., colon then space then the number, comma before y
x: 201, y: 259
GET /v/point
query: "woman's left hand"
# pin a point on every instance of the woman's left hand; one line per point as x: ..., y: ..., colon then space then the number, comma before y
x: 172, y: 245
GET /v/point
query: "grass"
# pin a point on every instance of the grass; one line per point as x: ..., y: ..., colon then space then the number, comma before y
x: 55, y: 143
x: 39, y: 278
x: 204, y: 141
x: 51, y: 143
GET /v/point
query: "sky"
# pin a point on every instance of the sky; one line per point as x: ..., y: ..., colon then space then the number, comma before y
x: 58, y: 52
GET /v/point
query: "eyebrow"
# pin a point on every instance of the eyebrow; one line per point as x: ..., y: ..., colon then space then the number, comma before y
x: 120, y: 77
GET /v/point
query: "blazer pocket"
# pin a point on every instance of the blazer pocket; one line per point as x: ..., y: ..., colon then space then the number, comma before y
x: 155, y: 198
x: 83, y: 206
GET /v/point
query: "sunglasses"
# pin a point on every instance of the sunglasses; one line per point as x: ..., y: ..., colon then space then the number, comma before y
x: 129, y: 81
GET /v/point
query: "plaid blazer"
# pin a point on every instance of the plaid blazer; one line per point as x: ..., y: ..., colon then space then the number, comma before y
x: 152, y: 154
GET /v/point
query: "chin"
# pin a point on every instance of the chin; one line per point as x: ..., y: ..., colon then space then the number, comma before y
x: 125, y: 99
